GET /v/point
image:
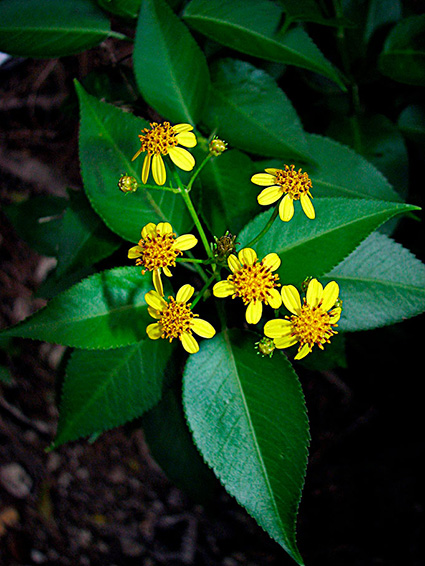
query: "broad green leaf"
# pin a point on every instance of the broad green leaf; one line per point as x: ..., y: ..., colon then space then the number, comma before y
x: 380, y: 13
x: 249, y: 422
x: 106, y: 310
x: 123, y: 8
x: 227, y: 192
x: 108, y: 388
x: 171, y: 71
x: 108, y: 141
x: 83, y: 238
x: 171, y: 444
x: 412, y: 123
x: 252, y: 27
x: 37, y: 221
x: 403, y: 56
x: 48, y: 28
x: 252, y: 113
x: 313, y: 247
x: 381, y: 283
x: 312, y: 11
x: 340, y: 171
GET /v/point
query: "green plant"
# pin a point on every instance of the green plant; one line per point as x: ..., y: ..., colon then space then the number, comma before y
x: 241, y: 395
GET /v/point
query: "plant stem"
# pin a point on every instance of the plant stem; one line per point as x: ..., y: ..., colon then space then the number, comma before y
x: 196, y: 173
x: 202, y: 291
x: 266, y: 227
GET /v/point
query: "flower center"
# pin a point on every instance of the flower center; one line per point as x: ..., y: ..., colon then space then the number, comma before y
x: 159, y: 139
x: 292, y: 182
x: 312, y: 326
x: 176, y: 318
x: 254, y: 282
x: 157, y: 251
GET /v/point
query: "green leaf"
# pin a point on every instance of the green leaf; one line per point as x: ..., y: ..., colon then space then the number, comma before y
x: 171, y: 71
x: 251, y: 112
x: 403, y: 56
x: 227, y: 192
x: 313, y: 247
x: 48, y: 28
x: 171, y: 444
x: 105, y: 389
x: 381, y: 283
x: 312, y: 11
x: 340, y: 171
x: 122, y: 8
x: 108, y: 140
x: 252, y: 27
x: 412, y: 123
x: 106, y: 310
x: 83, y: 239
x: 249, y: 422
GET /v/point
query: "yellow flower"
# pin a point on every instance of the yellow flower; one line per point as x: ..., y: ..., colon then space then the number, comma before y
x: 311, y: 322
x: 176, y: 320
x: 158, y: 249
x: 253, y: 281
x: 294, y: 185
x: 163, y: 139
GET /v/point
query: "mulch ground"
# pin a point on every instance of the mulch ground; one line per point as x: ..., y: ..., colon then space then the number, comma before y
x: 109, y: 503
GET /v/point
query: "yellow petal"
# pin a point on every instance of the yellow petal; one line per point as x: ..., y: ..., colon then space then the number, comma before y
x: 155, y: 300
x: 203, y: 328
x: 154, y: 331
x: 136, y: 154
x: 178, y: 128
x: 330, y: 295
x: 263, y: 179
x: 291, y: 298
x: 269, y: 195
x: 154, y: 313
x: 149, y: 230
x: 157, y: 283
x: 134, y: 252
x: 158, y: 170
x: 185, y: 242
x: 234, y: 263
x: 164, y: 228
x: 254, y: 311
x: 334, y: 315
x: 188, y: 139
x: 303, y: 352
x: 272, y: 261
x: 285, y: 341
x: 182, y: 158
x: 189, y: 343
x: 184, y: 293
x: 286, y: 208
x: 167, y: 271
x: 274, y: 299
x: 307, y: 206
x: 272, y: 170
x: 247, y: 256
x: 223, y: 289
x: 314, y: 293
x: 146, y: 168
x: 277, y: 328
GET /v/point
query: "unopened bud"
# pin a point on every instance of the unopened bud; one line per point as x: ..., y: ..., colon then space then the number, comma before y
x: 217, y: 146
x: 265, y: 347
x: 127, y: 184
x: 224, y: 246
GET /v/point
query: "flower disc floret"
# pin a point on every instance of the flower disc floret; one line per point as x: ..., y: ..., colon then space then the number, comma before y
x: 253, y: 281
x: 176, y: 320
x: 164, y: 139
x: 311, y: 323
x: 289, y: 184
x: 158, y: 249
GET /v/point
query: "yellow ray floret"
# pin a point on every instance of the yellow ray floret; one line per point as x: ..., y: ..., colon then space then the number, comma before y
x: 311, y: 322
x: 164, y: 139
x: 158, y: 249
x: 253, y: 281
x: 289, y: 184
x: 176, y: 320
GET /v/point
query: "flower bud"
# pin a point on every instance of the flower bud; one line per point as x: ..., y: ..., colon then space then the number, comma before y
x: 127, y: 184
x: 224, y: 246
x: 265, y: 347
x: 217, y: 146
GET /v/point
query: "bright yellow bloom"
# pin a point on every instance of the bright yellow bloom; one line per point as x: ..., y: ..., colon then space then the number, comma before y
x: 158, y: 249
x: 176, y: 320
x: 253, y: 281
x: 294, y: 185
x: 311, y: 322
x: 163, y: 139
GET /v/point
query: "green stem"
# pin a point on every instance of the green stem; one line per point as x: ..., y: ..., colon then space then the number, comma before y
x: 196, y: 173
x: 266, y: 227
x: 202, y: 291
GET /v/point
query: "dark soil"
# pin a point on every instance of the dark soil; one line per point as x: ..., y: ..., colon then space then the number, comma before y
x: 108, y: 503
